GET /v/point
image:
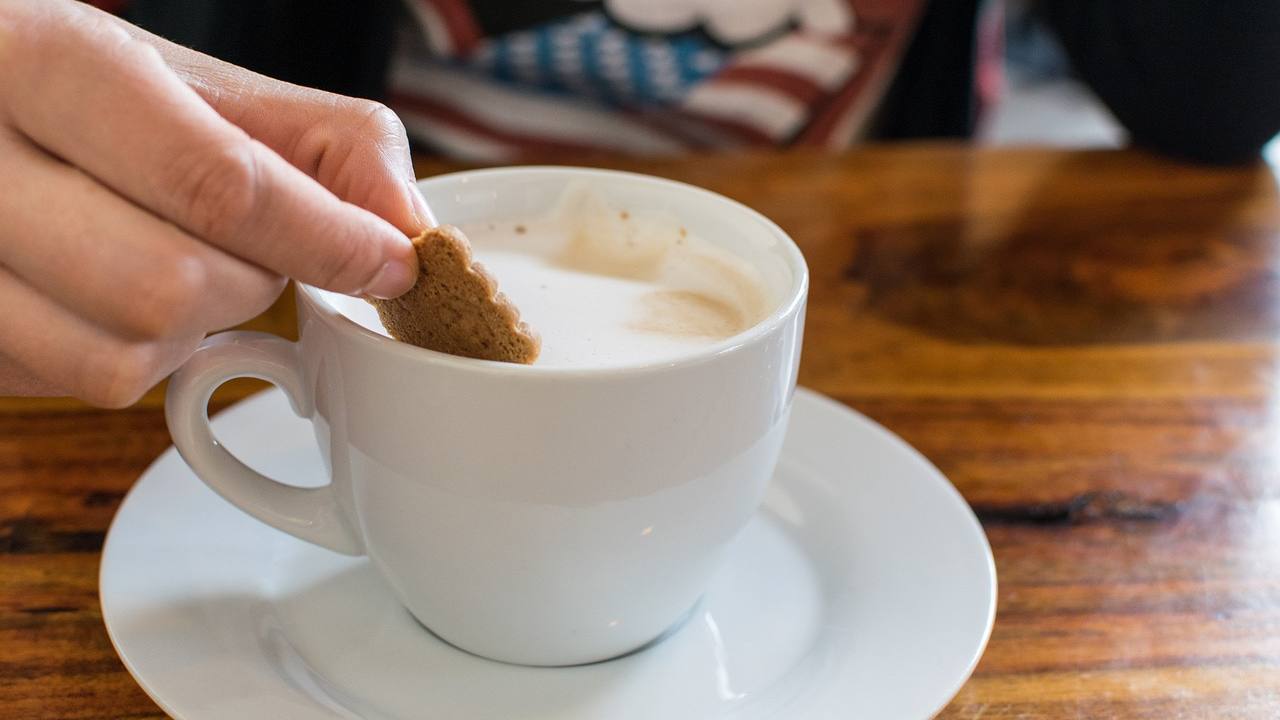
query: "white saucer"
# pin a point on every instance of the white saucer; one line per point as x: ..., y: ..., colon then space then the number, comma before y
x: 864, y: 588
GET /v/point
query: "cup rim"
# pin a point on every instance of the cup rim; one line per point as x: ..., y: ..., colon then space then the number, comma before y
x: 790, y: 305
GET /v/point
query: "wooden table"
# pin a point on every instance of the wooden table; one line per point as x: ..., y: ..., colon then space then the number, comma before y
x: 1085, y: 343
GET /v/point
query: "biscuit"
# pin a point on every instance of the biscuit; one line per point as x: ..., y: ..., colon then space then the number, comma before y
x: 455, y: 307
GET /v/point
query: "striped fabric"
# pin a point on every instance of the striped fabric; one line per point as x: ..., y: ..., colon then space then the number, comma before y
x: 586, y: 81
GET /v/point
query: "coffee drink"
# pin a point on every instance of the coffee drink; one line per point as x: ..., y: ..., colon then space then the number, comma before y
x: 606, y: 287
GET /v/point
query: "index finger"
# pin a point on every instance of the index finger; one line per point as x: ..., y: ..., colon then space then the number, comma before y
x: 108, y: 104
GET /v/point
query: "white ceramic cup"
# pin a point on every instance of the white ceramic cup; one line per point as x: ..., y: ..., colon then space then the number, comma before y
x: 536, y: 515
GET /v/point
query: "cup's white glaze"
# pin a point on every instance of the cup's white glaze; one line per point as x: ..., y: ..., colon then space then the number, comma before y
x: 536, y: 515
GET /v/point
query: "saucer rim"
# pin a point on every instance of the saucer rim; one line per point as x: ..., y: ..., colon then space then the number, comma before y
x: 954, y: 493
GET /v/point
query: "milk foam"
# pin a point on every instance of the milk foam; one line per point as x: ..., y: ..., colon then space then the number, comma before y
x: 604, y: 287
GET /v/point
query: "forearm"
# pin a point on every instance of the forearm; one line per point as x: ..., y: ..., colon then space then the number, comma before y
x: 1198, y: 79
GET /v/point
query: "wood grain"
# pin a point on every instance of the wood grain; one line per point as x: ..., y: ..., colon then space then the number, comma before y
x: 1084, y: 342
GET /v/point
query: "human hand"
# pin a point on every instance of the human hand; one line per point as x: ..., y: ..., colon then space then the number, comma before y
x: 152, y: 194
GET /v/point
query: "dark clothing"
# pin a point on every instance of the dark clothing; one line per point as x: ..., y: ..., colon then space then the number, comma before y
x: 1197, y: 79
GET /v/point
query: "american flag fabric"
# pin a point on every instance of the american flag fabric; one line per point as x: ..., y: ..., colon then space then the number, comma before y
x: 645, y: 76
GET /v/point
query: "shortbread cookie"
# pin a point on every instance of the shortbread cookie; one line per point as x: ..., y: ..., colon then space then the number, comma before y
x: 455, y: 307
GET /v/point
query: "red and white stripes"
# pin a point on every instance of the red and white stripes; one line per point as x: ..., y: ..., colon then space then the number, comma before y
x: 467, y: 116
x: 772, y: 90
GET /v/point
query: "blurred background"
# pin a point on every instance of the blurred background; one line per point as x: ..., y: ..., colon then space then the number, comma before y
x: 1043, y: 102
x: 486, y: 80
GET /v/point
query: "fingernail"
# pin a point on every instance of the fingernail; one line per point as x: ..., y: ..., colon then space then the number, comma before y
x: 394, y: 278
x: 422, y: 212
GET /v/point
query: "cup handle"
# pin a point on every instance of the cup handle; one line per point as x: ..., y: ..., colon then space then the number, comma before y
x: 312, y: 514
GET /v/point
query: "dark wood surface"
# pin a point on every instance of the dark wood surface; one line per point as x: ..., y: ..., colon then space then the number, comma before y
x: 1084, y: 342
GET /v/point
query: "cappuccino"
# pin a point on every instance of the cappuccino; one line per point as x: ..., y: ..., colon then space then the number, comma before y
x: 605, y: 287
